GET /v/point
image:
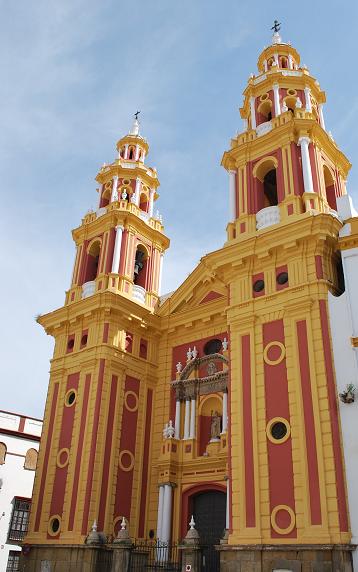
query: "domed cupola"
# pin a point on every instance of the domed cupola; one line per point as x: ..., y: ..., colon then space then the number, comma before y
x: 133, y: 147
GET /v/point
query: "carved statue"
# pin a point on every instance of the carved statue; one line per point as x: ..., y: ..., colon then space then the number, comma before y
x: 215, y: 428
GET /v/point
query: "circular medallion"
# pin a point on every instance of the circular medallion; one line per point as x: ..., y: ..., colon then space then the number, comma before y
x: 126, y: 460
x: 63, y: 457
x: 131, y: 401
x: 283, y: 519
x: 274, y: 353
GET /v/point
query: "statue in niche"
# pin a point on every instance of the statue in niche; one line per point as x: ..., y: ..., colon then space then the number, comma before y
x: 215, y: 428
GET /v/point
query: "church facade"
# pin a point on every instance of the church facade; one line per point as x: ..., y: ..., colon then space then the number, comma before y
x: 219, y: 400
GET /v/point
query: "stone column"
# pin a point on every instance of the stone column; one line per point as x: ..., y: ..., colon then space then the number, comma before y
x: 276, y: 96
x: 187, y: 418
x: 114, y: 195
x: 321, y: 116
x: 160, y: 274
x: 232, y: 196
x: 253, y: 113
x: 151, y: 202
x: 265, y: 65
x: 160, y: 511
x: 224, y: 427
x: 308, y: 99
x: 276, y: 60
x: 177, y: 419
x: 126, y: 151
x: 306, y: 164
x: 136, y: 152
x: 290, y: 62
x: 117, y: 249
x: 137, y: 192
x: 192, y: 418
x: 167, y: 513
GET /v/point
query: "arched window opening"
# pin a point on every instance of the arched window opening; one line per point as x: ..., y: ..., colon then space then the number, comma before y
x: 330, y: 190
x: 270, y: 189
x: 143, y: 202
x: 338, y: 275
x: 290, y: 103
x: 31, y: 460
x: 131, y: 153
x: 3, y: 450
x: 122, y: 151
x: 213, y: 347
x: 106, y: 194
x: 265, y: 111
x: 270, y: 62
x: 140, y: 266
x: 284, y: 62
x: 92, y: 261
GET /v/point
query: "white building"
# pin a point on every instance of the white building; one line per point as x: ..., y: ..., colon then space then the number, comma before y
x: 19, y: 444
x: 343, y: 312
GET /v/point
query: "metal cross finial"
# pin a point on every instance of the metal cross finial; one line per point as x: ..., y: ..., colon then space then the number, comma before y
x: 276, y: 26
x: 136, y: 115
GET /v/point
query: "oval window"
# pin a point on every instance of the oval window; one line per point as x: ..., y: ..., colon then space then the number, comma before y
x: 278, y: 430
x: 282, y: 278
x: 259, y: 285
x: 212, y: 347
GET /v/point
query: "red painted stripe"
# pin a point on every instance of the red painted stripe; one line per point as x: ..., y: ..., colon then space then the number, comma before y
x: 143, y: 498
x: 248, y: 433
x: 332, y: 399
x: 123, y: 497
x: 59, y: 485
x: 311, y: 444
x: 93, y: 448
x: 319, y: 266
x: 296, y: 169
x: 122, y: 259
x: 105, y: 333
x: 281, y: 485
x: 76, y: 476
x: 107, y: 452
x: 46, y: 457
x: 21, y: 424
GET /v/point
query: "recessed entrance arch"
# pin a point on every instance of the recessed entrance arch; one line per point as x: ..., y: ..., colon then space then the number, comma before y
x: 207, y: 503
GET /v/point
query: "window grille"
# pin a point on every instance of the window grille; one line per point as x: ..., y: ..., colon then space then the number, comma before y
x: 13, y: 562
x: 19, y: 519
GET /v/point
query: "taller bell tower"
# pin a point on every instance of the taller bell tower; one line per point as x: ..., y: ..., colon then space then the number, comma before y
x: 281, y: 260
x: 100, y: 400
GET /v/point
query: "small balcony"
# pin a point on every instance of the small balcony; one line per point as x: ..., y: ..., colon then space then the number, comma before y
x: 267, y: 217
x: 88, y: 288
x: 139, y: 293
x: 263, y: 128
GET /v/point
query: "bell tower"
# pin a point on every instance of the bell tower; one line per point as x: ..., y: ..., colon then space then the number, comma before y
x: 120, y: 246
x: 281, y: 262
x: 93, y: 464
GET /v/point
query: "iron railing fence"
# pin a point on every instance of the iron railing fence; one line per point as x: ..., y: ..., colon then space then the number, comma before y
x: 153, y: 556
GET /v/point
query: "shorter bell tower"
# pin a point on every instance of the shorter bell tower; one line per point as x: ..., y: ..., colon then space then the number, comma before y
x: 120, y: 246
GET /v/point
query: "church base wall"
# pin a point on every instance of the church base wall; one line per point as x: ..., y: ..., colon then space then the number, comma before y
x: 74, y: 558
x: 288, y: 558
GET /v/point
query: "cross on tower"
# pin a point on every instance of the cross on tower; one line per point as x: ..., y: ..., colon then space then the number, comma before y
x: 276, y: 26
x: 136, y: 115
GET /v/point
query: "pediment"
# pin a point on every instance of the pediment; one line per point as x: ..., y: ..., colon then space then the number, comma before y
x: 200, y: 289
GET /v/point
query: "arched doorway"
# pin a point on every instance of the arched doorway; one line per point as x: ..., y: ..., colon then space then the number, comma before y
x: 209, y: 511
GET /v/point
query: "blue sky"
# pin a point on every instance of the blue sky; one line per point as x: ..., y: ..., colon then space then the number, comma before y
x: 73, y: 73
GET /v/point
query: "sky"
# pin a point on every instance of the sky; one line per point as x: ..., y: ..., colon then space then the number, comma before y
x: 73, y: 72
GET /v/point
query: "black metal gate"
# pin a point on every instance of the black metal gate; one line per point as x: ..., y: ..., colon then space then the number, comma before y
x: 155, y: 556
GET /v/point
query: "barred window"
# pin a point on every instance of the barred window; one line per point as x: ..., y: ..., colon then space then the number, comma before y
x: 13, y: 562
x: 19, y: 519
